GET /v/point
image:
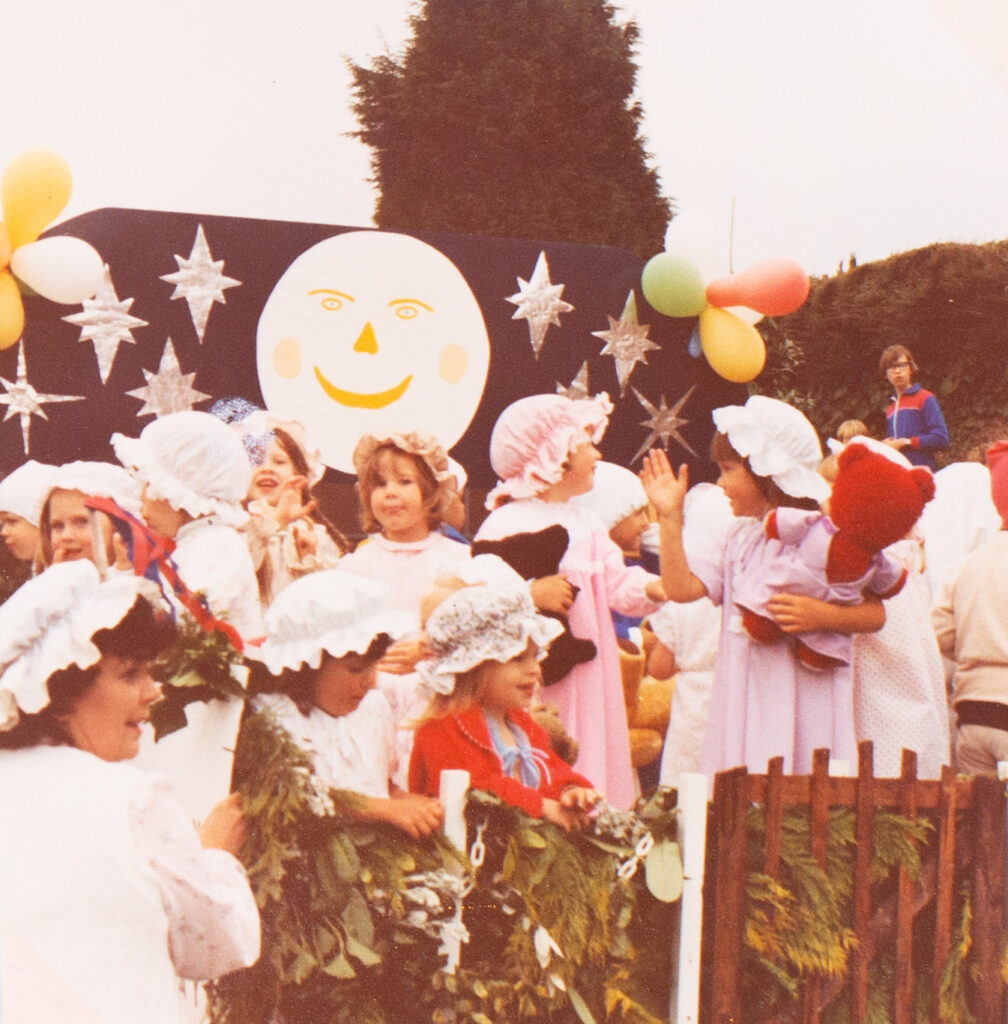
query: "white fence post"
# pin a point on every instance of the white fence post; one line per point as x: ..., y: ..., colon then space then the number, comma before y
x: 684, y: 1005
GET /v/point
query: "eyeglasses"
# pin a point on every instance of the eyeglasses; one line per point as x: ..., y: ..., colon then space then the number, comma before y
x: 900, y: 366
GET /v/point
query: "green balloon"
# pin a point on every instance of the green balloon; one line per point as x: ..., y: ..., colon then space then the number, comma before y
x: 673, y: 285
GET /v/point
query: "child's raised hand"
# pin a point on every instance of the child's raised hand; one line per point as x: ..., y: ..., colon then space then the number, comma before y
x: 289, y: 506
x: 665, y: 489
x: 305, y: 543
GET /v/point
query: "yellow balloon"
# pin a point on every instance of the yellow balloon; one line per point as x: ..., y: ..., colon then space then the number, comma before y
x: 34, y: 189
x: 733, y: 348
x: 11, y: 310
x: 5, y: 247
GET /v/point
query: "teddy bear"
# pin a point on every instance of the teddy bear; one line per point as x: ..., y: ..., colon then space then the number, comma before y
x: 877, y: 498
x: 534, y: 555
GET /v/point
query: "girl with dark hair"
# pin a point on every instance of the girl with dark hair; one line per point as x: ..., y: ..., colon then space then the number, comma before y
x: 137, y: 899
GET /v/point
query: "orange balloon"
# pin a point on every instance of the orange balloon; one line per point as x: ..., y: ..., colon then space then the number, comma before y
x: 11, y: 310
x: 5, y: 247
x: 772, y: 287
x: 733, y: 348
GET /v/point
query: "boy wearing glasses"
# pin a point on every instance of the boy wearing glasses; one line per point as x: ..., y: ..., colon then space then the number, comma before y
x: 914, y: 422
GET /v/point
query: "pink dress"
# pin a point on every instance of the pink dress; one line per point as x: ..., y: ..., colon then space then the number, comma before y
x: 590, y: 697
x: 764, y: 702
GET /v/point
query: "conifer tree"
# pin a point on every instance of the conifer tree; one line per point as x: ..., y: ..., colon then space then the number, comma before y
x: 515, y: 118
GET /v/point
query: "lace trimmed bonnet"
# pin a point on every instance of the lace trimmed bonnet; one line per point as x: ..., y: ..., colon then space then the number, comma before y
x: 488, y: 622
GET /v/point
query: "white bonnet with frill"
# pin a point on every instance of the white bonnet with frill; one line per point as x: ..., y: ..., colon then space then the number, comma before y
x: 615, y: 494
x: 194, y: 461
x: 47, y: 625
x: 486, y: 622
x: 779, y: 443
x: 99, y: 480
x: 23, y: 491
x: 330, y: 611
x: 533, y: 438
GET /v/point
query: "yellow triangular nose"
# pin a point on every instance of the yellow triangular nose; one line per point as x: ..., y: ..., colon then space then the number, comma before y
x: 366, y: 341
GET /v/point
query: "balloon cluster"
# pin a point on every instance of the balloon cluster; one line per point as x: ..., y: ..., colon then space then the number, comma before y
x: 34, y: 189
x: 684, y: 281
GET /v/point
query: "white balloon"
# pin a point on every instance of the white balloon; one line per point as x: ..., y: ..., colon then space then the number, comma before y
x: 750, y: 316
x: 692, y: 235
x: 61, y: 268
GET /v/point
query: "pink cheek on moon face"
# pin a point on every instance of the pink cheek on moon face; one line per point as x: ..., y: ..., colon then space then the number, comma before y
x: 287, y: 358
x: 452, y: 363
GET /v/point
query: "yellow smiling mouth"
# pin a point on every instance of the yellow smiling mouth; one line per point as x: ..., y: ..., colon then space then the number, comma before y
x: 357, y: 400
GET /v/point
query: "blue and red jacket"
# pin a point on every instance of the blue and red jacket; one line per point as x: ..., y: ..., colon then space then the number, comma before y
x: 915, y: 415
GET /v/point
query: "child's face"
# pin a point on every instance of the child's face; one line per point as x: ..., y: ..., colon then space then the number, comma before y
x: 505, y: 685
x: 342, y: 683
x: 626, y: 534
x: 19, y: 535
x: 270, y: 475
x: 397, y: 501
x: 741, y: 489
x: 579, y: 475
x: 159, y: 515
x: 70, y: 537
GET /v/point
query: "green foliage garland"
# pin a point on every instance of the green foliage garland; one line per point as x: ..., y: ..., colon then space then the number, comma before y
x: 351, y: 910
x: 197, y: 667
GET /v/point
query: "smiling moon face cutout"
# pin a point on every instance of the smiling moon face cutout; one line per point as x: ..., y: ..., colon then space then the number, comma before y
x: 370, y: 332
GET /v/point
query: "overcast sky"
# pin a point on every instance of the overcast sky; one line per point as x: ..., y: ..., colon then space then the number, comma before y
x: 864, y: 126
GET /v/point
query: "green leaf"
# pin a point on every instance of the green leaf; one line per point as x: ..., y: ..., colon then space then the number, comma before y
x: 663, y: 871
x: 530, y: 837
x: 580, y: 1006
x: 365, y: 954
x: 339, y: 967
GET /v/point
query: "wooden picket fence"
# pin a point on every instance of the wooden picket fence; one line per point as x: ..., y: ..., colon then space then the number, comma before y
x: 968, y: 843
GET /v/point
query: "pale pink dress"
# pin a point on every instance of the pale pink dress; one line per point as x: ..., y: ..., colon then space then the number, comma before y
x: 765, y: 703
x: 590, y: 697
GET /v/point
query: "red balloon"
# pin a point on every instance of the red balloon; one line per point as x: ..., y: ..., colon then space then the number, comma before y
x: 772, y: 287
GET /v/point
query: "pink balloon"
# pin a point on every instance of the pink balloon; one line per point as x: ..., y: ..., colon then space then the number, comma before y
x: 772, y: 287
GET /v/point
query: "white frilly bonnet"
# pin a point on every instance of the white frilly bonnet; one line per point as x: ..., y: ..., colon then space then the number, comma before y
x: 486, y: 622
x: 23, y: 491
x: 533, y: 437
x: 47, y: 625
x: 779, y: 443
x: 331, y: 611
x: 99, y: 480
x: 194, y: 461
x: 616, y: 493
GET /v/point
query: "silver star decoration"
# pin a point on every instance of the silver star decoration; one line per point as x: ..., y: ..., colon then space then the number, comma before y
x: 539, y: 303
x: 200, y: 281
x: 626, y: 341
x: 664, y: 423
x: 168, y: 390
x: 578, y: 387
x: 106, y: 320
x: 24, y: 401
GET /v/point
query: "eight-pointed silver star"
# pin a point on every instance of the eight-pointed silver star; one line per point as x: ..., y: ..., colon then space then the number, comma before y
x: 539, y: 302
x: 664, y: 423
x: 106, y: 320
x: 200, y: 281
x: 24, y: 401
x: 168, y: 390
